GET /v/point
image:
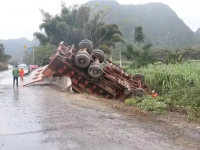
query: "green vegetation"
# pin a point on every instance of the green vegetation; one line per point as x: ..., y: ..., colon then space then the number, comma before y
x: 177, y: 85
x: 167, y: 71
x: 148, y: 103
x: 42, y: 54
x: 154, y: 18
x: 3, y: 66
x: 139, y: 35
x: 71, y: 26
x: 78, y: 23
x: 3, y: 58
x: 140, y: 56
x: 162, y: 27
x: 14, y: 47
x: 197, y: 33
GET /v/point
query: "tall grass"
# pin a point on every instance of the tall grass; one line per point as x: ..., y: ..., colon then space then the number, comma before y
x: 178, y: 85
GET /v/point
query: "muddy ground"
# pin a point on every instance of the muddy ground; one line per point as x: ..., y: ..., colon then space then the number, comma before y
x: 44, y: 117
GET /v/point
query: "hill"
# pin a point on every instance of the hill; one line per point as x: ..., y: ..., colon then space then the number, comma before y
x: 197, y: 33
x: 162, y: 27
x: 14, y: 47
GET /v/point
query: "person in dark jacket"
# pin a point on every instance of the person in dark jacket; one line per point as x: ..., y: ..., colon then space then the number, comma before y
x: 15, y: 73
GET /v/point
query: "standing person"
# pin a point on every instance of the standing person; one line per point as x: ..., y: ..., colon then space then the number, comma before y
x: 15, y: 73
x: 21, y: 73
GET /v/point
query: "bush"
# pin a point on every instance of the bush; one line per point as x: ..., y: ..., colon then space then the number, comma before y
x: 3, y: 66
x: 177, y: 84
x: 152, y: 104
x: 148, y: 103
x: 131, y: 102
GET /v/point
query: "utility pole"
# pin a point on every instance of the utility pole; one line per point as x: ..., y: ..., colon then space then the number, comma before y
x: 120, y: 58
x: 33, y: 56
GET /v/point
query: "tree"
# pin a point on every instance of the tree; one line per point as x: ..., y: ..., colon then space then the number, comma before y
x: 1, y: 49
x: 13, y: 63
x: 139, y: 36
x: 131, y: 52
x: 42, y: 54
x: 28, y: 57
x: 76, y: 23
x: 3, y: 57
x: 140, y: 57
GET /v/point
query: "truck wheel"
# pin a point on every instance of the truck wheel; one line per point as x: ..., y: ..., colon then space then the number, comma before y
x: 83, y: 52
x: 86, y: 44
x: 139, y: 92
x: 138, y: 75
x: 95, y: 71
x: 82, y: 60
x: 97, y: 53
x: 86, y: 40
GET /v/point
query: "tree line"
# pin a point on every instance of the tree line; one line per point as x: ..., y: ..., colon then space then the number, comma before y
x: 76, y: 23
x: 4, y: 58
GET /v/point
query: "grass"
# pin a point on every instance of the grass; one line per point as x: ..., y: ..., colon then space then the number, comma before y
x: 178, y: 87
x: 194, y: 60
x: 124, y: 63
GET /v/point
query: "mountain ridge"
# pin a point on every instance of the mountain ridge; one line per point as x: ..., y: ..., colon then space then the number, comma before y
x: 162, y: 27
x: 197, y: 33
x: 14, y: 47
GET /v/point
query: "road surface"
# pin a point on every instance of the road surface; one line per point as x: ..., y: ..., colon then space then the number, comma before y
x: 42, y: 117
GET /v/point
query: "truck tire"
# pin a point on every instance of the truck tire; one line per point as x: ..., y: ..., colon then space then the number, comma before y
x: 86, y: 44
x: 83, y: 52
x: 95, y: 71
x: 138, y: 75
x: 139, y: 92
x: 97, y: 53
x: 82, y: 60
x: 86, y: 40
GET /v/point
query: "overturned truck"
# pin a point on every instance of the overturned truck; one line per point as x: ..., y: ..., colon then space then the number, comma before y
x: 90, y: 72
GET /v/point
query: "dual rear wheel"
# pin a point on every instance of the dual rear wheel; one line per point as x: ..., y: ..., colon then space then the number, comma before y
x: 86, y: 53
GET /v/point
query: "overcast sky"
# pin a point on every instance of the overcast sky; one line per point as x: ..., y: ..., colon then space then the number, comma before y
x: 21, y: 18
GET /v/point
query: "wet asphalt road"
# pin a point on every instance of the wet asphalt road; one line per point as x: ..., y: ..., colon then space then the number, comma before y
x: 42, y: 118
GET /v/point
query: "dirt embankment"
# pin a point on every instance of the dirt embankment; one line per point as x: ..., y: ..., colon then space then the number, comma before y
x: 174, y: 125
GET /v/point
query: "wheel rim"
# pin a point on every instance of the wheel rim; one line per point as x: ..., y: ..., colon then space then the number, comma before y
x: 82, y: 61
x: 95, y: 71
